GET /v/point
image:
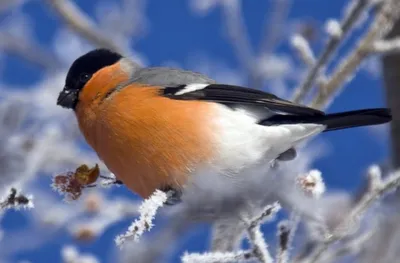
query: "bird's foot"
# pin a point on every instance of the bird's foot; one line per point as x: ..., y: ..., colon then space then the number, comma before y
x: 173, y: 195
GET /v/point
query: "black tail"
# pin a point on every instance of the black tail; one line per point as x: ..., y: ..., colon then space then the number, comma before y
x: 336, y: 121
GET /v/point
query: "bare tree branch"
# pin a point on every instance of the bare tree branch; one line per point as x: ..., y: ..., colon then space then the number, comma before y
x: 346, y: 25
x: 349, y: 222
x: 381, y: 25
x: 227, y: 235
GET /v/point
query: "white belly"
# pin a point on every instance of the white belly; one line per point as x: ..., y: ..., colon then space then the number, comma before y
x: 243, y: 143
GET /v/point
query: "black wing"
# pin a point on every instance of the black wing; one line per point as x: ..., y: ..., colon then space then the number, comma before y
x: 235, y: 96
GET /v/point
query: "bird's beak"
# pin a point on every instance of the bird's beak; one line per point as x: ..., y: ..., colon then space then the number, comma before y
x: 67, y: 98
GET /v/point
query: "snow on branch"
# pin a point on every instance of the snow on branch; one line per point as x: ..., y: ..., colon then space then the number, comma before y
x: 259, y: 248
x: 148, y: 210
x: 218, y: 257
x: 378, y: 188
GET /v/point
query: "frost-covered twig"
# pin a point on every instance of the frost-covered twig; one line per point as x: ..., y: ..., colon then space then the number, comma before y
x: 350, y: 247
x: 148, y: 210
x: 82, y: 24
x: 375, y: 192
x: 227, y: 234
x: 219, y: 257
x: 259, y: 246
x: 346, y: 25
x: 381, y: 25
x: 255, y: 236
x: 15, y: 200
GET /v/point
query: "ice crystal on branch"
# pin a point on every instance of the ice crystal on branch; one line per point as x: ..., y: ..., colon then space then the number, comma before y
x: 148, y: 210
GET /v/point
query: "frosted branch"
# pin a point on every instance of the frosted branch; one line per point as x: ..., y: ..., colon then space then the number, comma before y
x: 227, y: 234
x: 346, y: 25
x: 379, y: 188
x: 148, y: 210
x: 351, y: 247
x: 255, y: 236
x: 259, y: 246
x: 381, y: 25
x: 219, y: 257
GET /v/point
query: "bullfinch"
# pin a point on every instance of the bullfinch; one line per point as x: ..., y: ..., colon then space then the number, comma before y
x: 155, y: 127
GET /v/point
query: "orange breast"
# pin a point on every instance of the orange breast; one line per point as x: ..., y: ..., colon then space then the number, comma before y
x: 149, y: 141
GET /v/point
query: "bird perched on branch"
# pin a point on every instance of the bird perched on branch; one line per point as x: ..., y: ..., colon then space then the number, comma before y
x: 155, y: 127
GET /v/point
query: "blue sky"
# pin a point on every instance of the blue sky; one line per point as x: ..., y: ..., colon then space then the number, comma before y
x: 174, y: 33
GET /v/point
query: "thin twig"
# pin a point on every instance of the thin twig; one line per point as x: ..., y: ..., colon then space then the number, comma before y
x: 351, y: 247
x: 390, y: 183
x: 382, y: 24
x: 227, y: 234
x: 259, y: 246
x: 346, y: 25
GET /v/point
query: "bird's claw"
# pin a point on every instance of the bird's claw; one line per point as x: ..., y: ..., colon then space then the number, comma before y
x: 173, y: 195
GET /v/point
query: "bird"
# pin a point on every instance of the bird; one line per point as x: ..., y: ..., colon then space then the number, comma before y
x: 155, y: 127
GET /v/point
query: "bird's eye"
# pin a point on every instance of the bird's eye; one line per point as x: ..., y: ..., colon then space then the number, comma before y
x: 84, y: 77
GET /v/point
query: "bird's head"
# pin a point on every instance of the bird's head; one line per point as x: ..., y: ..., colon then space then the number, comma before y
x: 81, y: 71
